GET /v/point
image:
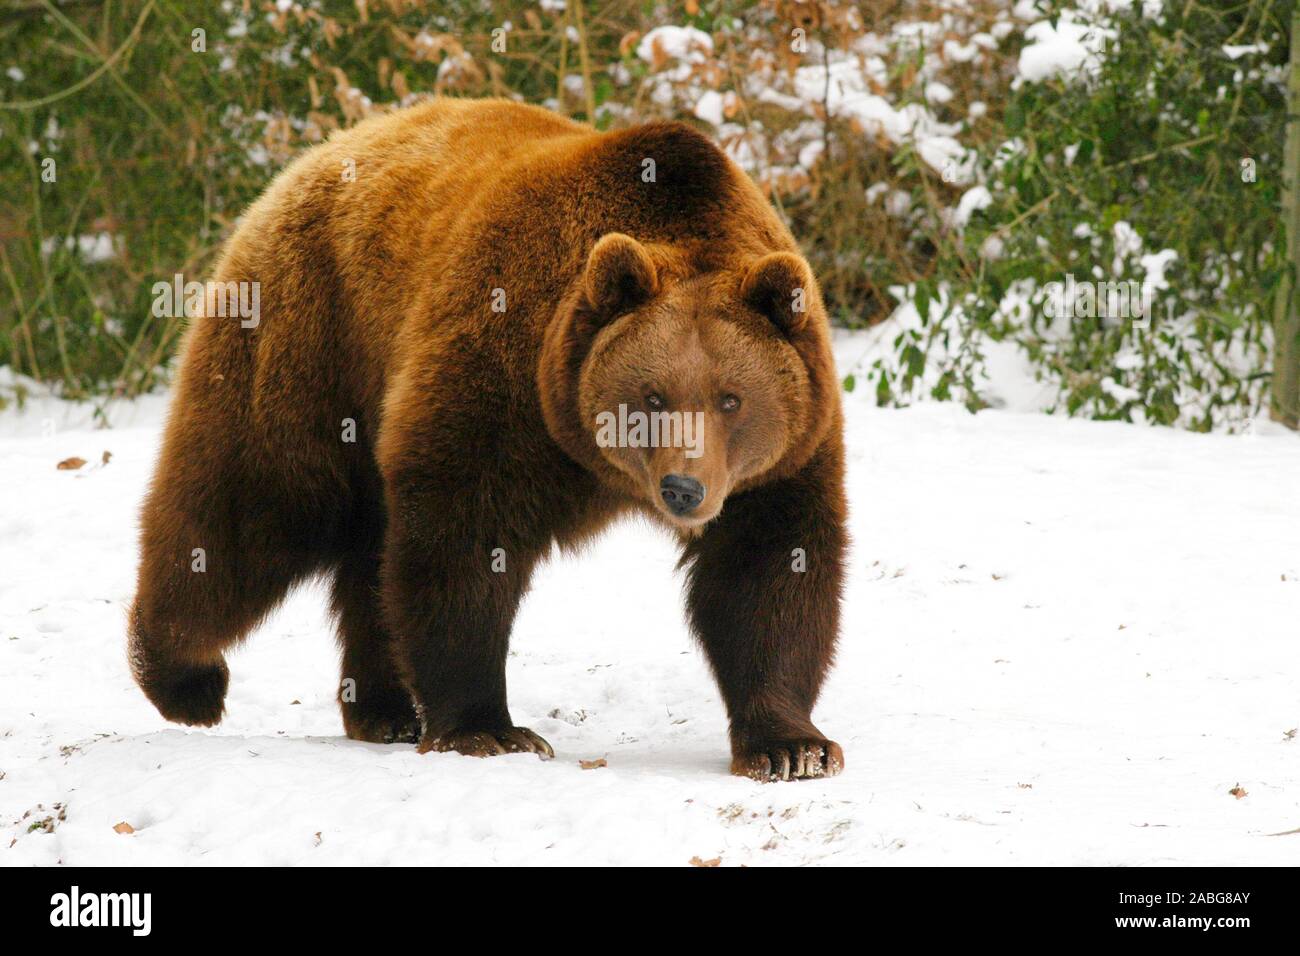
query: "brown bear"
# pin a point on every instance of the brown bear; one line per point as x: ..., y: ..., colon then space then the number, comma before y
x: 463, y: 305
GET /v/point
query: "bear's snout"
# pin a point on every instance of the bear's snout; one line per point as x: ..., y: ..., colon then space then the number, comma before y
x: 681, y: 494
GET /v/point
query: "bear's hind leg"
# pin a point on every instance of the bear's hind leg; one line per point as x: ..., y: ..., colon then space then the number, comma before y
x: 211, y: 567
x: 376, y: 707
x: 203, y: 585
x: 185, y: 689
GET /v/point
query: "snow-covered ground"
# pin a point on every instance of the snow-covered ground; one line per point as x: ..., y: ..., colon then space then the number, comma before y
x: 1065, y: 642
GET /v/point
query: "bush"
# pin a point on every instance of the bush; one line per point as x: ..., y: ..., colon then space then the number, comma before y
x: 1157, y: 162
x: 928, y: 153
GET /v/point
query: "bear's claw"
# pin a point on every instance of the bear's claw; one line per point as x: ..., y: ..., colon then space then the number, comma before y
x: 489, y: 743
x: 803, y: 758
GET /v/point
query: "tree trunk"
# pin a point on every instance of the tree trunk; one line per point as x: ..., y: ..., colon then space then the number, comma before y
x: 1286, y: 320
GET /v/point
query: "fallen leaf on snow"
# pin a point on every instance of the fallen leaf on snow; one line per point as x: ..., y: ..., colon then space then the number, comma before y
x: 593, y: 764
x: 123, y: 827
x: 106, y: 457
x: 1237, y: 792
x: 71, y: 464
x: 716, y: 861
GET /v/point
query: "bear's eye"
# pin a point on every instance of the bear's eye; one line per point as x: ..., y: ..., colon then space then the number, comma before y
x: 730, y: 403
x: 655, y: 401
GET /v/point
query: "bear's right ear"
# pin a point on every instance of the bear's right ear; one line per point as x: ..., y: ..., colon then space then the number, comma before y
x: 620, y: 275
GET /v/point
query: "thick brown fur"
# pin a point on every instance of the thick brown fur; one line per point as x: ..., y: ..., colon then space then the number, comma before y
x: 494, y: 277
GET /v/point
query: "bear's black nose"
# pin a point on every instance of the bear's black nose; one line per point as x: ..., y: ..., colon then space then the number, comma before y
x: 681, y: 494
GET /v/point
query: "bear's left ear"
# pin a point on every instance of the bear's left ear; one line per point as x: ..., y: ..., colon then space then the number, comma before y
x: 620, y: 275
x: 780, y: 286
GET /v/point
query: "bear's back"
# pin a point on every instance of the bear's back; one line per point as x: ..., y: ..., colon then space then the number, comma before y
x: 454, y: 223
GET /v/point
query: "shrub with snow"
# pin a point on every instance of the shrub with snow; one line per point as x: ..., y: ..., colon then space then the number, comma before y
x: 1146, y: 177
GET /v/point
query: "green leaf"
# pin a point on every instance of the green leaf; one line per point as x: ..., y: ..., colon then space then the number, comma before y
x: 923, y: 301
x: 1014, y: 118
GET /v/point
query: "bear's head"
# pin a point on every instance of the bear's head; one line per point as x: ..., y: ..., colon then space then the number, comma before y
x: 681, y: 388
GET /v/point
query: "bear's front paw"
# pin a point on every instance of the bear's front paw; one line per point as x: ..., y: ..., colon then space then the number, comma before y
x: 489, y: 743
x: 792, y: 759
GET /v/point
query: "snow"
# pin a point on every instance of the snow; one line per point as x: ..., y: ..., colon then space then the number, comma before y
x: 1071, y: 45
x: 678, y: 43
x: 1236, y: 52
x: 936, y: 92
x: 710, y: 107
x: 93, y: 247
x: 972, y: 200
x: 843, y: 87
x: 1064, y: 642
